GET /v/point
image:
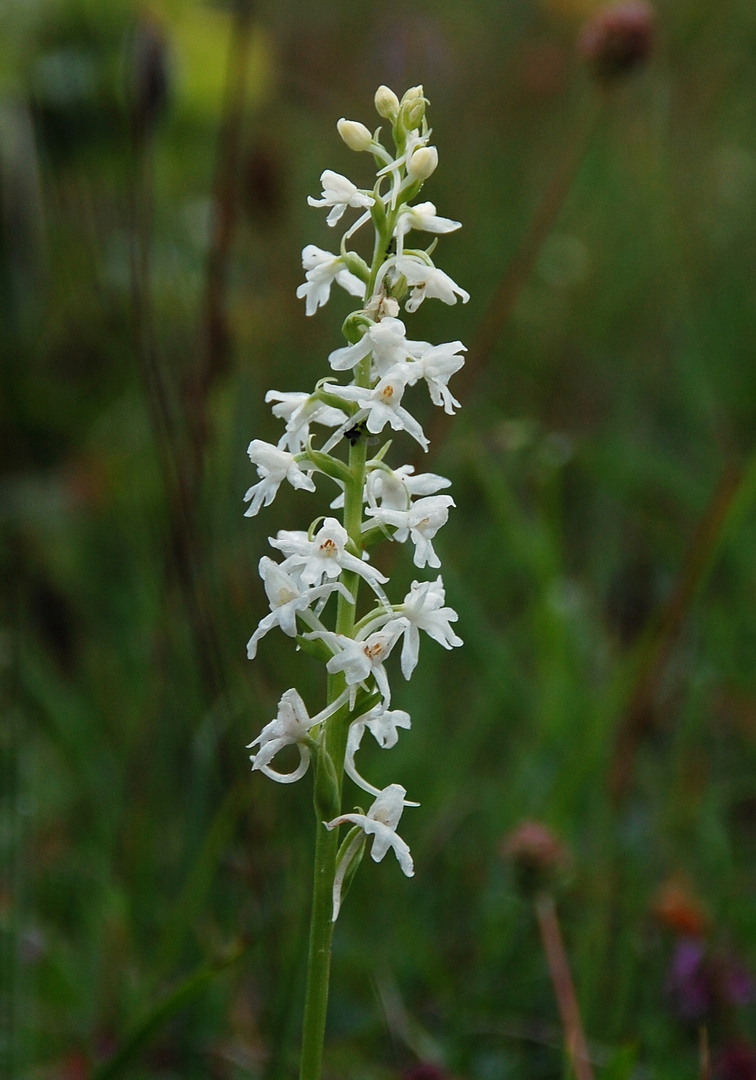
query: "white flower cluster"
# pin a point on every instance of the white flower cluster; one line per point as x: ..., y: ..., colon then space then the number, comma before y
x: 322, y: 568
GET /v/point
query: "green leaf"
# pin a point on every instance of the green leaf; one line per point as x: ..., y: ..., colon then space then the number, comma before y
x: 147, y: 1028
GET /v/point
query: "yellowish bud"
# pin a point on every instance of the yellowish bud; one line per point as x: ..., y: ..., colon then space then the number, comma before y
x: 413, y: 108
x: 423, y: 163
x: 354, y: 134
x: 412, y: 94
x: 386, y: 103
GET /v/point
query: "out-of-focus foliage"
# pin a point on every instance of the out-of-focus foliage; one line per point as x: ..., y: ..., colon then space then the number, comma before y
x: 154, y: 166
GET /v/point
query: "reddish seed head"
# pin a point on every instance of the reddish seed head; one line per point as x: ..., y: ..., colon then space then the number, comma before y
x: 618, y: 38
x: 537, y: 854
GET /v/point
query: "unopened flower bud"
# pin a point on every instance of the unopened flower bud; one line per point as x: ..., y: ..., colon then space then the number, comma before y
x: 356, y: 264
x: 536, y: 853
x: 618, y: 38
x: 412, y: 108
x: 354, y: 134
x: 423, y: 163
x: 386, y: 103
x: 412, y: 94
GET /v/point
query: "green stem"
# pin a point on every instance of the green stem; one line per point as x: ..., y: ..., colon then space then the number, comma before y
x: 327, y: 842
x: 319, y: 959
x: 335, y: 741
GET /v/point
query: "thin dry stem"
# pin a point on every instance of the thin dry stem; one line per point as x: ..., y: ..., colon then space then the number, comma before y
x: 564, y: 988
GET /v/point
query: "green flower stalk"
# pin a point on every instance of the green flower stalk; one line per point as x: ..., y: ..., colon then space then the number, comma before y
x: 314, y: 590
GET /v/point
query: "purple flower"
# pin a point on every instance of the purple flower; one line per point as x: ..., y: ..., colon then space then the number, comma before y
x: 688, y: 984
x: 701, y: 983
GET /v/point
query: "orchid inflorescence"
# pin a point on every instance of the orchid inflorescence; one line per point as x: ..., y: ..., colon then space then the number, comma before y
x: 322, y: 567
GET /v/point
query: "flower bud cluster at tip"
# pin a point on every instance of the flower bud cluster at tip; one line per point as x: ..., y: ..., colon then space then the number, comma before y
x: 321, y: 568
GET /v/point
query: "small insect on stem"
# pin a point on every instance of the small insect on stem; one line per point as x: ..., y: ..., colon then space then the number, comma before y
x: 355, y: 433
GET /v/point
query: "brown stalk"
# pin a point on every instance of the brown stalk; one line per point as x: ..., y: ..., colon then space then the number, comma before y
x: 564, y: 988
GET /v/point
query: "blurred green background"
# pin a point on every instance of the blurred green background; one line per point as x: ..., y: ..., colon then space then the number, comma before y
x: 154, y: 165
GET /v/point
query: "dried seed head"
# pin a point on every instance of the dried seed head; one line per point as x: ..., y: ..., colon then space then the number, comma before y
x: 536, y: 853
x: 618, y: 39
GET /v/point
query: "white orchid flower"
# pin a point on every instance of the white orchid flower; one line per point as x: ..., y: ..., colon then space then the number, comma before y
x: 421, y: 522
x: 273, y: 466
x: 395, y: 488
x: 386, y: 340
x: 299, y: 410
x: 380, y: 822
x: 288, y: 598
x: 436, y: 364
x: 339, y: 193
x: 313, y: 585
x: 428, y: 282
x: 383, y: 405
x: 422, y: 217
x: 359, y: 658
x: 423, y: 609
x: 291, y: 727
x: 384, y: 724
x: 323, y: 268
x: 323, y: 556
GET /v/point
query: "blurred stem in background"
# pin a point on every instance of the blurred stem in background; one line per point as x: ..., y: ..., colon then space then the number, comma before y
x: 179, y: 415
x: 564, y: 988
x: 179, y: 423
x: 216, y: 348
x: 539, y: 860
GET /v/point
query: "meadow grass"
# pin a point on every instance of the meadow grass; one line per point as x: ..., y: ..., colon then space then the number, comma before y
x: 154, y: 897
